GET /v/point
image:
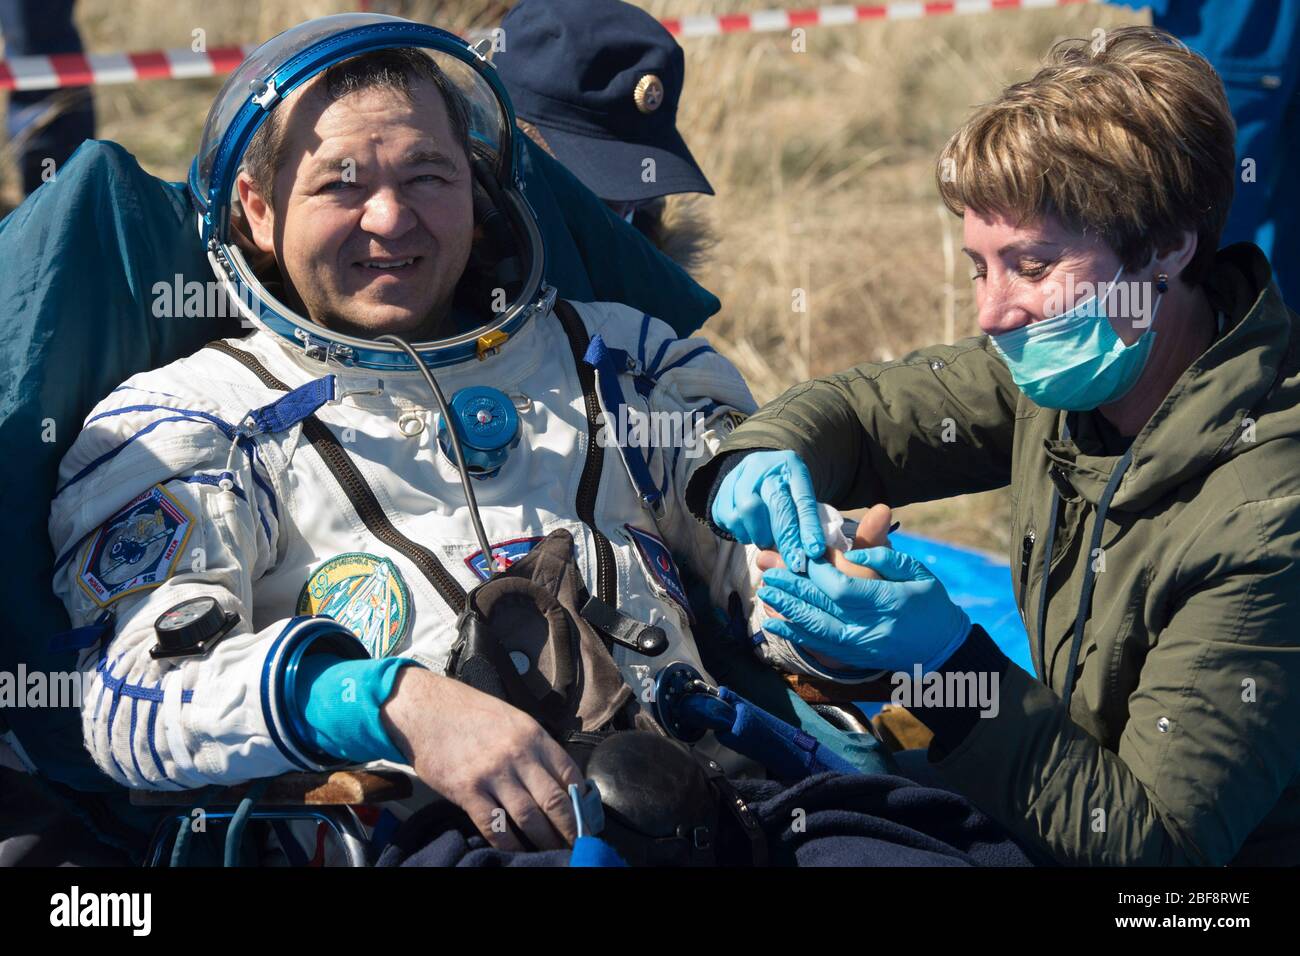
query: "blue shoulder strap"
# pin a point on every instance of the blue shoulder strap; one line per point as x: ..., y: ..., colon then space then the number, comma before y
x: 608, y: 364
x: 290, y: 409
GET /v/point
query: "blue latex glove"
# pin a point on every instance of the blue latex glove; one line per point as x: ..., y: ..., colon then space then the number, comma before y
x: 891, y: 624
x: 767, y: 500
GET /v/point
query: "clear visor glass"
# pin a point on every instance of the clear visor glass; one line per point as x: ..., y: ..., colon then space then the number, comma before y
x: 488, y: 119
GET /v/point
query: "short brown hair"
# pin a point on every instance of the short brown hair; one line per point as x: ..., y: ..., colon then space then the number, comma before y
x: 1127, y: 137
x: 394, y: 69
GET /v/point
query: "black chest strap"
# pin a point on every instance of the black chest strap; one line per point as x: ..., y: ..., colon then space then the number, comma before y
x: 363, y: 499
x: 357, y: 489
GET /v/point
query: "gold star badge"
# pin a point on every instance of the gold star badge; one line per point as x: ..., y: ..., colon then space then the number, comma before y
x: 649, y: 93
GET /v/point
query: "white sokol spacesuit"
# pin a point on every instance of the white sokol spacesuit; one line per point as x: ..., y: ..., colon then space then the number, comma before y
x: 265, y: 528
x: 202, y: 479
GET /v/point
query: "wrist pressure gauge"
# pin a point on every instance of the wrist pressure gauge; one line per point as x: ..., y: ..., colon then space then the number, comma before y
x: 191, y: 628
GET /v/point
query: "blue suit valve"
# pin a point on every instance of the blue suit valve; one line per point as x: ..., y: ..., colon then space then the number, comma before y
x: 487, y: 425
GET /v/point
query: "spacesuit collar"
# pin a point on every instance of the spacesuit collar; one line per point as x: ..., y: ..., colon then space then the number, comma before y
x: 513, y: 362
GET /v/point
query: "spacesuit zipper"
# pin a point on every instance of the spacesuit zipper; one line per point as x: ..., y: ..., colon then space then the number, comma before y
x: 372, y: 513
x: 589, y: 483
x: 358, y: 491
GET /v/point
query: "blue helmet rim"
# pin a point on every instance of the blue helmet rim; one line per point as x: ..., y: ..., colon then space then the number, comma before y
x: 329, y: 346
x: 257, y: 303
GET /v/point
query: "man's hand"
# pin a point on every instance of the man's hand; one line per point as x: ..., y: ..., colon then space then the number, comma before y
x: 896, y: 617
x: 485, y: 756
x: 767, y: 500
x: 872, y: 532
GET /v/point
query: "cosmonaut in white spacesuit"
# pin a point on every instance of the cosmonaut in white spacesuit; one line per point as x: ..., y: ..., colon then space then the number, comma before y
x: 267, y: 532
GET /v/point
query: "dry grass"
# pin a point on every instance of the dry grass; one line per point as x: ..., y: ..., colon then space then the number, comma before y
x: 821, y: 160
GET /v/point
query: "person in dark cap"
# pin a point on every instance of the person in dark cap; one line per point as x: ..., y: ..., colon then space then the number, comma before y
x: 596, y: 83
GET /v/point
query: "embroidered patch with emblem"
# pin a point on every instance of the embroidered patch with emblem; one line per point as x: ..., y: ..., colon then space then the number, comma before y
x: 658, y: 562
x: 137, y: 548
x: 504, y: 554
x: 364, y: 593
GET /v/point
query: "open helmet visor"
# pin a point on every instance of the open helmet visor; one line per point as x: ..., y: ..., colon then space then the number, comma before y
x: 287, y: 61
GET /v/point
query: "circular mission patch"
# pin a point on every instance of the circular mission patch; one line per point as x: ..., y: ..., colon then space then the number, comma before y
x: 366, y: 594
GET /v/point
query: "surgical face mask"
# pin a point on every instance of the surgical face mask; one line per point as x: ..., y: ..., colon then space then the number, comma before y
x: 1075, y: 361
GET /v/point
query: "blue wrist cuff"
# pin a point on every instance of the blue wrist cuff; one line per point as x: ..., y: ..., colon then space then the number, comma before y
x: 340, y: 700
x: 301, y: 638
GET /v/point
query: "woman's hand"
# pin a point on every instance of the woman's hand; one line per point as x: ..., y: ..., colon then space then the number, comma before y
x: 872, y: 531
x: 886, y: 612
x: 486, y: 757
x: 767, y: 500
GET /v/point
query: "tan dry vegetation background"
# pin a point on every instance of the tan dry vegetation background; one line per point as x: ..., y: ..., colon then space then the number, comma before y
x: 822, y: 161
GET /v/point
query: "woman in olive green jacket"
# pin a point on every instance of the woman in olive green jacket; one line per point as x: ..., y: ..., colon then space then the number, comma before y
x: 1139, y: 391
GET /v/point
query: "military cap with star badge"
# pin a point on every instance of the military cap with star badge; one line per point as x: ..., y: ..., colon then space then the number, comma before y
x: 600, y: 81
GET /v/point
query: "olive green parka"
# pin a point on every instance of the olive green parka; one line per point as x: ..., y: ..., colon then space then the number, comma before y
x: 1182, y: 740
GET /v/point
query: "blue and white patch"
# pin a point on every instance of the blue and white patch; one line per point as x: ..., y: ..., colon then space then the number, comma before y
x: 137, y: 548
x: 503, y: 555
x: 658, y: 562
x: 366, y: 594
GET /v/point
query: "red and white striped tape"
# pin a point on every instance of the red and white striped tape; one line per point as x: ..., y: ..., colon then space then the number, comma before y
x: 771, y: 20
x: 102, y: 69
